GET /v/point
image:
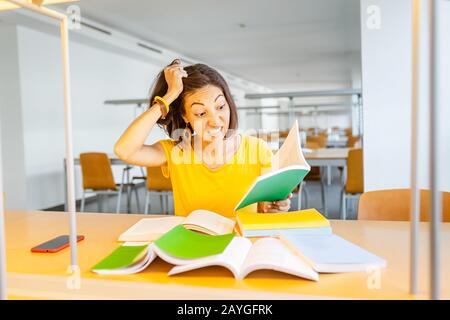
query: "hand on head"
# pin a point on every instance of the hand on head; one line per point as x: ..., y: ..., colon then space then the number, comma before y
x: 173, y: 74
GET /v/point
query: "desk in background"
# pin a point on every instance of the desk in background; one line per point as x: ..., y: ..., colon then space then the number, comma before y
x: 33, y: 275
x: 327, y: 158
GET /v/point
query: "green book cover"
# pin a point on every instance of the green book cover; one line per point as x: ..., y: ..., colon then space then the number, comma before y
x: 273, y: 186
x: 186, y: 244
x: 289, y: 169
x: 122, y: 257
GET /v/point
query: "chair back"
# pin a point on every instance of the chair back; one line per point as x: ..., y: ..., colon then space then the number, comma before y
x: 312, y: 145
x: 352, y: 140
x: 395, y: 204
x: 156, y: 180
x: 355, y: 180
x: 348, y: 132
x: 96, y: 171
x: 321, y: 140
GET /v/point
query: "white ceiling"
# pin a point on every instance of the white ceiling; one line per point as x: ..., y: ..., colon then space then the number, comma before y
x: 284, y: 45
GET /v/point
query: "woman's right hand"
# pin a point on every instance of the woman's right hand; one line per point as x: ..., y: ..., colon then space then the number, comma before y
x: 173, y: 74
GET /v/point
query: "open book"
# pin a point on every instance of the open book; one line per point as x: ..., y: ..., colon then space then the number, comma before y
x: 289, y: 168
x: 240, y: 256
x: 149, y: 229
x: 177, y: 246
x: 301, y: 255
x: 129, y: 258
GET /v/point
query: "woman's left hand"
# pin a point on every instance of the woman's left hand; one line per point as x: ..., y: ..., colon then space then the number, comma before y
x: 275, y: 206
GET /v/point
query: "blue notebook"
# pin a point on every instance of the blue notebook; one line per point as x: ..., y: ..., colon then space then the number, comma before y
x: 330, y: 253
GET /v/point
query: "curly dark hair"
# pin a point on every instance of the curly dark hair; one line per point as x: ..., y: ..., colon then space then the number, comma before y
x: 199, y: 76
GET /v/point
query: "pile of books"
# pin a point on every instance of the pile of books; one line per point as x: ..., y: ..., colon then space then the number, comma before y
x: 301, y: 243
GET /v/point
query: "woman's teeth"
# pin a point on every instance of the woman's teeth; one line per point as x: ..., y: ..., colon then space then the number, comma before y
x: 215, y: 131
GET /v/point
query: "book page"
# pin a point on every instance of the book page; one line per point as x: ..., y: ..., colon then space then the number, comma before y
x: 232, y: 258
x: 208, y: 222
x: 149, y: 229
x: 290, y: 153
x: 272, y: 254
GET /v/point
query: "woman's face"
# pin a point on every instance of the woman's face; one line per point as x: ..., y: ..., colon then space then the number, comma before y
x: 208, y: 112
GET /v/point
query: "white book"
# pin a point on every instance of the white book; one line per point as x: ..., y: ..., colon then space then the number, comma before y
x: 331, y: 253
x: 149, y: 229
x: 242, y: 257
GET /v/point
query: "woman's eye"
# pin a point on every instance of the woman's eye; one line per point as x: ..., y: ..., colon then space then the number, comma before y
x: 221, y: 107
x: 201, y: 114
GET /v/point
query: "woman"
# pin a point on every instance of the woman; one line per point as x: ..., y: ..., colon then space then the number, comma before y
x: 211, y: 166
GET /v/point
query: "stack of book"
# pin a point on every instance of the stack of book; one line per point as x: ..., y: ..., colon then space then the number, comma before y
x: 294, y: 251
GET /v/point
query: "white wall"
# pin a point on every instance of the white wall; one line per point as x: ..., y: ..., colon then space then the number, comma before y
x: 386, y: 79
x: 97, y: 75
x: 11, y: 120
x: 32, y: 108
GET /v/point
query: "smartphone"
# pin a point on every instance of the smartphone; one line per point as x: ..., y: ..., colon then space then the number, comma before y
x: 55, y: 244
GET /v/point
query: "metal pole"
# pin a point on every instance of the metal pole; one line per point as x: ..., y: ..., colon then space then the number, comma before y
x: 3, y: 295
x: 290, y: 110
x: 360, y: 115
x: 69, y: 146
x: 415, y: 198
x: 434, y: 131
x: 67, y: 121
x: 56, y: 15
x: 295, y: 94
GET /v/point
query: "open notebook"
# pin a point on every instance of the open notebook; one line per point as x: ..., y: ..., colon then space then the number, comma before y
x: 239, y: 256
x: 177, y: 245
x: 303, y: 256
x: 289, y: 168
x: 242, y: 257
x: 149, y: 229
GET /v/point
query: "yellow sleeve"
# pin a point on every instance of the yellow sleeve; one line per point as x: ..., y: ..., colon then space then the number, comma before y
x: 167, y: 145
x: 265, y: 155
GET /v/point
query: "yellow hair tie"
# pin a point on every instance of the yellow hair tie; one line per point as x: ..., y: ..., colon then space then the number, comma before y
x: 158, y: 98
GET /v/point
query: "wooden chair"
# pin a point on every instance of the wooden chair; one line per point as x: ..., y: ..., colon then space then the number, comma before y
x: 158, y: 184
x: 352, y: 140
x: 321, y: 140
x: 395, y: 205
x: 98, y: 179
x: 348, y: 132
x: 354, y: 185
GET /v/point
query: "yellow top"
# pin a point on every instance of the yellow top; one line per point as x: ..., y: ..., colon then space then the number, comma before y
x: 195, y: 186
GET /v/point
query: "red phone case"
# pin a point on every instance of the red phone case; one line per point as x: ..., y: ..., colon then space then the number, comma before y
x: 53, y: 250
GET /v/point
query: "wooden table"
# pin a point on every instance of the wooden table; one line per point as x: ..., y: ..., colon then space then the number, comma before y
x: 34, y: 275
x: 327, y: 158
